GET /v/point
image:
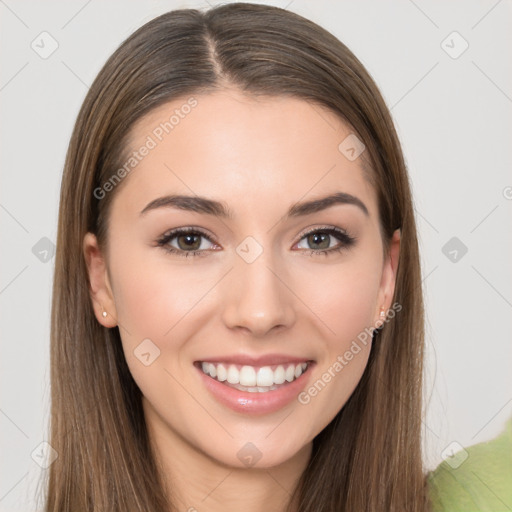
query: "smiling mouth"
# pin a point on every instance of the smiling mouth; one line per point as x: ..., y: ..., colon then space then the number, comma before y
x: 254, y: 379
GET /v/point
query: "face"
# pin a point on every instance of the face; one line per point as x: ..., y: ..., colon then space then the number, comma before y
x: 241, y: 277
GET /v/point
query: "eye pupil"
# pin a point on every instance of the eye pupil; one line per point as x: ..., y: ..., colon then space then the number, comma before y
x: 319, y: 238
x: 191, y: 241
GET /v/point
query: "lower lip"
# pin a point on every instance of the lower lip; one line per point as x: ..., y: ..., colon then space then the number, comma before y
x: 256, y: 403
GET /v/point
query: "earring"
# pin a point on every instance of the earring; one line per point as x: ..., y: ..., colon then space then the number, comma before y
x: 380, y: 323
x: 104, y: 314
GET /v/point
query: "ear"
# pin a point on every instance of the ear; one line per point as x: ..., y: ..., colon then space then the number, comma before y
x: 99, y: 284
x: 388, y: 281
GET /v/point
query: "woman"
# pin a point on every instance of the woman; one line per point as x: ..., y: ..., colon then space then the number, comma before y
x: 237, y: 317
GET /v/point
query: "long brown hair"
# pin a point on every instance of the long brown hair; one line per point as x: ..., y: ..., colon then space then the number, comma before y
x: 369, y: 457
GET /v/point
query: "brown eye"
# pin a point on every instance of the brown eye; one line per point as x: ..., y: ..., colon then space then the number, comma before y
x: 189, y: 242
x: 186, y: 242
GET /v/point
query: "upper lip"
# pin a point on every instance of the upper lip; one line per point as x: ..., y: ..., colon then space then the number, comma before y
x: 264, y: 360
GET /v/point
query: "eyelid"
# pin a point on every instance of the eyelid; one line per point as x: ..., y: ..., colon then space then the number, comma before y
x: 325, y: 227
x: 190, y: 229
x: 346, y: 241
x: 163, y: 242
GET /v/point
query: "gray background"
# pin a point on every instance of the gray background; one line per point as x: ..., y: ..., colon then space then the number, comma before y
x: 453, y: 115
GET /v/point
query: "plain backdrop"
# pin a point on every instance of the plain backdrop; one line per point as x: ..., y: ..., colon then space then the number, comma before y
x: 444, y: 70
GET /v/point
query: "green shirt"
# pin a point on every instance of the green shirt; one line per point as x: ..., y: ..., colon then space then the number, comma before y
x: 475, y: 479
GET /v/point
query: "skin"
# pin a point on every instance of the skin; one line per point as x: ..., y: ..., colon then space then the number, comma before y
x: 259, y: 156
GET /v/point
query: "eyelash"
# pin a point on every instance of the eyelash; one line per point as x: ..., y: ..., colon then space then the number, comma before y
x: 346, y: 241
x: 165, y: 239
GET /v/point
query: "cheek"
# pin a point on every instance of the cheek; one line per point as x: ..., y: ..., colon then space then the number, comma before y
x: 345, y: 302
x: 353, y: 308
x: 152, y: 299
x: 157, y: 302
x: 164, y: 302
x: 344, y: 298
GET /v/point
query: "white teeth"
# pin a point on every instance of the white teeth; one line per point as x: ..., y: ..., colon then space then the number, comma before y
x: 253, y: 389
x: 290, y: 373
x: 265, y: 376
x: 249, y: 378
x: 233, y: 375
x: 222, y: 373
x: 279, y: 375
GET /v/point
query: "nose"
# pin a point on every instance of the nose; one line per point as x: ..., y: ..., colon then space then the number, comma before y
x: 257, y: 298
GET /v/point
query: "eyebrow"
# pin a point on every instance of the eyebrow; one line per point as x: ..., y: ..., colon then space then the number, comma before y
x: 219, y: 209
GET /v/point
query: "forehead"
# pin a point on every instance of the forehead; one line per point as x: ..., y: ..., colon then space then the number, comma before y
x: 245, y: 150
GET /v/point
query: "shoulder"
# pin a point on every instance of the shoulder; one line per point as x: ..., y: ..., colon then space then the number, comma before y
x: 475, y: 479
